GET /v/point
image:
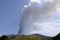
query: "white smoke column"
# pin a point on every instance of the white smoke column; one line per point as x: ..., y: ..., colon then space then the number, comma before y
x: 38, y: 17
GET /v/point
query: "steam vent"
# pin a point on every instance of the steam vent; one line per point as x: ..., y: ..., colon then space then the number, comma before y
x: 39, y: 17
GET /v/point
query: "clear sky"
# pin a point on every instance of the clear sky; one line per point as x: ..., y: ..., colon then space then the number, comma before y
x: 10, y: 15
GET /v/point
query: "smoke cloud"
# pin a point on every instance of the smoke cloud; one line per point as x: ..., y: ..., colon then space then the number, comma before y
x: 40, y: 16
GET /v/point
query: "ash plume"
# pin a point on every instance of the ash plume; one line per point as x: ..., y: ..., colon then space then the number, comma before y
x: 36, y: 15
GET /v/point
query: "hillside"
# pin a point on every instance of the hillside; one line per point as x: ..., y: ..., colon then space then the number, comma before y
x: 29, y: 37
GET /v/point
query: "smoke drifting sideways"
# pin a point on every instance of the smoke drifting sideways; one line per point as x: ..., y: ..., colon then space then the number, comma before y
x: 40, y: 17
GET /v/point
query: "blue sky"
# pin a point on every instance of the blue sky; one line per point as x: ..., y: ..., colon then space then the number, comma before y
x: 10, y: 15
